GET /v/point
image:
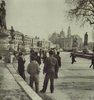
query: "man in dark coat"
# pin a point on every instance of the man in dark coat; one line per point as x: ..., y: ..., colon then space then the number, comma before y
x: 21, y: 62
x: 59, y: 63
x: 50, y: 65
x: 73, y: 56
x: 92, y: 61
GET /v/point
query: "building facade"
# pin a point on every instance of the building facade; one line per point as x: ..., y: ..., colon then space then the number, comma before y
x: 27, y: 42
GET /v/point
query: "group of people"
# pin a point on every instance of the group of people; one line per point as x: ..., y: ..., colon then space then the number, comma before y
x: 51, y: 67
x: 52, y: 63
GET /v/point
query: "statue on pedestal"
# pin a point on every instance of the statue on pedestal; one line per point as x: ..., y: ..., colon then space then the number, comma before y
x: 3, y: 31
x: 85, y: 49
x: 86, y: 39
x: 3, y: 15
x: 12, y: 33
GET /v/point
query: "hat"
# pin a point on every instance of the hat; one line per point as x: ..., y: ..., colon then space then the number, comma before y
x: 33, y: 57
x: 51, y: 52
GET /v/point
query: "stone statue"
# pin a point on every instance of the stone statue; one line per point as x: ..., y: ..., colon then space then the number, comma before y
x: 85, y: 49
x: 3, y: 15
x: 23, y: 40
x: 0, y: 16
x: 3, y: 3
x: 12, y: 33
x: 86, y: 39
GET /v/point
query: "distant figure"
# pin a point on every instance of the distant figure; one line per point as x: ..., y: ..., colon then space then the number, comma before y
x: 38, y: 58
x: 32, y: 53
x: 33, y: 69
x: 73, y: 56
x: 44, y: 57
x: 21, y: 67
x: 92, y: 61
x: 50, y: 66
x: 59, y: 63
x: 12, y: 33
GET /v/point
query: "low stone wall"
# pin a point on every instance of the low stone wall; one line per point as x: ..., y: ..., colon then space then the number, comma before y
x: 27, y: 89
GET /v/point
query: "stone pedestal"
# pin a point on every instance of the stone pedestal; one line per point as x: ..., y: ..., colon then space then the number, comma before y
x: 85, y: 49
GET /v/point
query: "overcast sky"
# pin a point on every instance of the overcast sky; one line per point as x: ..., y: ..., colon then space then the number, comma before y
x: 41, y: 17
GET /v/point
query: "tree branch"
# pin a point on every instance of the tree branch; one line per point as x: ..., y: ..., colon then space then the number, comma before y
x: 90, y: 21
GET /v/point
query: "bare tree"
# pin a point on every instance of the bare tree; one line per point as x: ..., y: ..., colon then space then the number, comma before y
x: 82, y: 9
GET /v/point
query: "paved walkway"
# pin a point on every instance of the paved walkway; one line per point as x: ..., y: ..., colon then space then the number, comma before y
x: 9, y: 89
x: 75, y: 82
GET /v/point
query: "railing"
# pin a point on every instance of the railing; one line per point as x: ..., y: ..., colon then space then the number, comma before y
x: 82, y: 55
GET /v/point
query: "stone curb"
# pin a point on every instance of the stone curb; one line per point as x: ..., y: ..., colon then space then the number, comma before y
x: 27, y: 89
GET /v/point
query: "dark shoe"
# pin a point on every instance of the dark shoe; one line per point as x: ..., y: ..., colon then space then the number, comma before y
x: 42, y: 91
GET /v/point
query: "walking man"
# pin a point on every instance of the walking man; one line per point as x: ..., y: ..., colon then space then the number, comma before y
x: 73, y: 56
x: 50, y: 65
x: 33, y: 69
x: 92, y: 61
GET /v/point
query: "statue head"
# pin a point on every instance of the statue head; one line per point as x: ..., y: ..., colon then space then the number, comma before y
x: 86, y: 34
x: 3, y: 3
